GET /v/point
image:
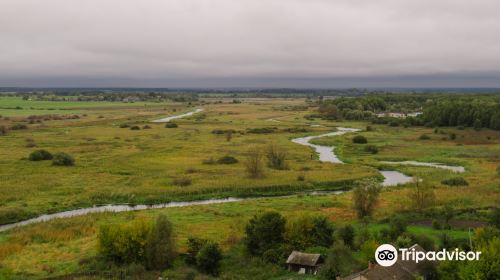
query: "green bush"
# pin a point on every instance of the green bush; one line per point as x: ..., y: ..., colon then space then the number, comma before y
x: 455, y: 181
x: 124, y: 243
x: 124, y: 125
x: 227, y: 160
x: 146, y: 127
x: 171, y: 125
x: 40, y: 155
x: 208, y: 258
x: 359, y: 139
x: 3, y: 130
x: 63, y: 159
x: 135, y: 127
x: 371, y: 149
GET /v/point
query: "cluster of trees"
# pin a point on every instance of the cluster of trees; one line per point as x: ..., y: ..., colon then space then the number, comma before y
x: 270, y: 236
x: 153, y: 246
x: 478, y: 113
x: 467, y: 110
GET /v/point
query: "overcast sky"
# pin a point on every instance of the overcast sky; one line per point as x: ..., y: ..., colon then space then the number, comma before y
x: 260, y: 43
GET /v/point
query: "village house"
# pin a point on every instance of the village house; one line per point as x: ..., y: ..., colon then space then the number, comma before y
x: 401, y: 270
x: 304, y: 263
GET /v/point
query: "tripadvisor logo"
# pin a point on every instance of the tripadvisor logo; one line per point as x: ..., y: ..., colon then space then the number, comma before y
x: 387, y: 255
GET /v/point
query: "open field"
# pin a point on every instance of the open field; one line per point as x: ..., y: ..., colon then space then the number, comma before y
x: 115, y: 165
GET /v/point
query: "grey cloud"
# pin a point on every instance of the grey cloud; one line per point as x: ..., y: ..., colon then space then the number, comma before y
x: 267, y: 42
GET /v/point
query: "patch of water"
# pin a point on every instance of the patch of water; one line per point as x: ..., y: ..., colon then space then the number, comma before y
x: 167, y: 119
x: 456, y: 169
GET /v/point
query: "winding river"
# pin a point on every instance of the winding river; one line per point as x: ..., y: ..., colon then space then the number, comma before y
x: 326, y: 154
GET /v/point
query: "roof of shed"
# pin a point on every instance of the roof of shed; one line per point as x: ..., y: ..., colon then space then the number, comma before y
x: 297, y: 257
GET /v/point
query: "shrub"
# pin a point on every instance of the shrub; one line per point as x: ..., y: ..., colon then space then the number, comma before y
x: 253, y: 164
x: 146, y: 127
x: 124, y: 243
x: 359, y: 139
x: 301, y: 178
x: 372, y: 149
x: 182, y: 182
x: 227, y: 160
x: 3, y: 130
x: 171, y: 125
x: 369, y: 128
x: 424, y: 137
x: 135, y: 127
x: 194, y: 246
x: 18, y: 126
x: 455, y: 181
x: 264, y: 232
x: 498, y: 170
x: 453, y: 136
x: 276, y: 157
x: 208, y: 258
x: 124, y: 125
x: 160, y: 245
x: 62, y: 159
x: 40, y: 155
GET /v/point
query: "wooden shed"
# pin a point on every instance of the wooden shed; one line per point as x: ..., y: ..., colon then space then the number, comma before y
x: 304, y: 263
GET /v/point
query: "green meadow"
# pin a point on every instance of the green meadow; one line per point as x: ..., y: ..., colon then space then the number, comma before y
x: 154, y: 164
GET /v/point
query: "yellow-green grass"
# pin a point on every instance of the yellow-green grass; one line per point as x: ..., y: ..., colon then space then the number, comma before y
x: 122, y: 166
x: 16, y: 106
x: 119, y: 165
x: 58, y: 246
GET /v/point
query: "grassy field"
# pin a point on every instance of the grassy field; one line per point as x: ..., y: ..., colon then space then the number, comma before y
x: 119, y: 165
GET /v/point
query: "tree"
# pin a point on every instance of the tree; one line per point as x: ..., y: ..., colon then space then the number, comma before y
x: 264, y: 232
x: 397, y: 226
x: 194, y: 246
x: 253, y: 163
x: 339, y: 262
x: 421, y: 196
x: 346, y: 235
x: 487, y: 267
x: 208, y: 258
x: 365, y: 198
x: 306, y: 231
x: 322, y: 232
x: 276, y: 157
x: 160, y: 245
x: 329, y: 111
